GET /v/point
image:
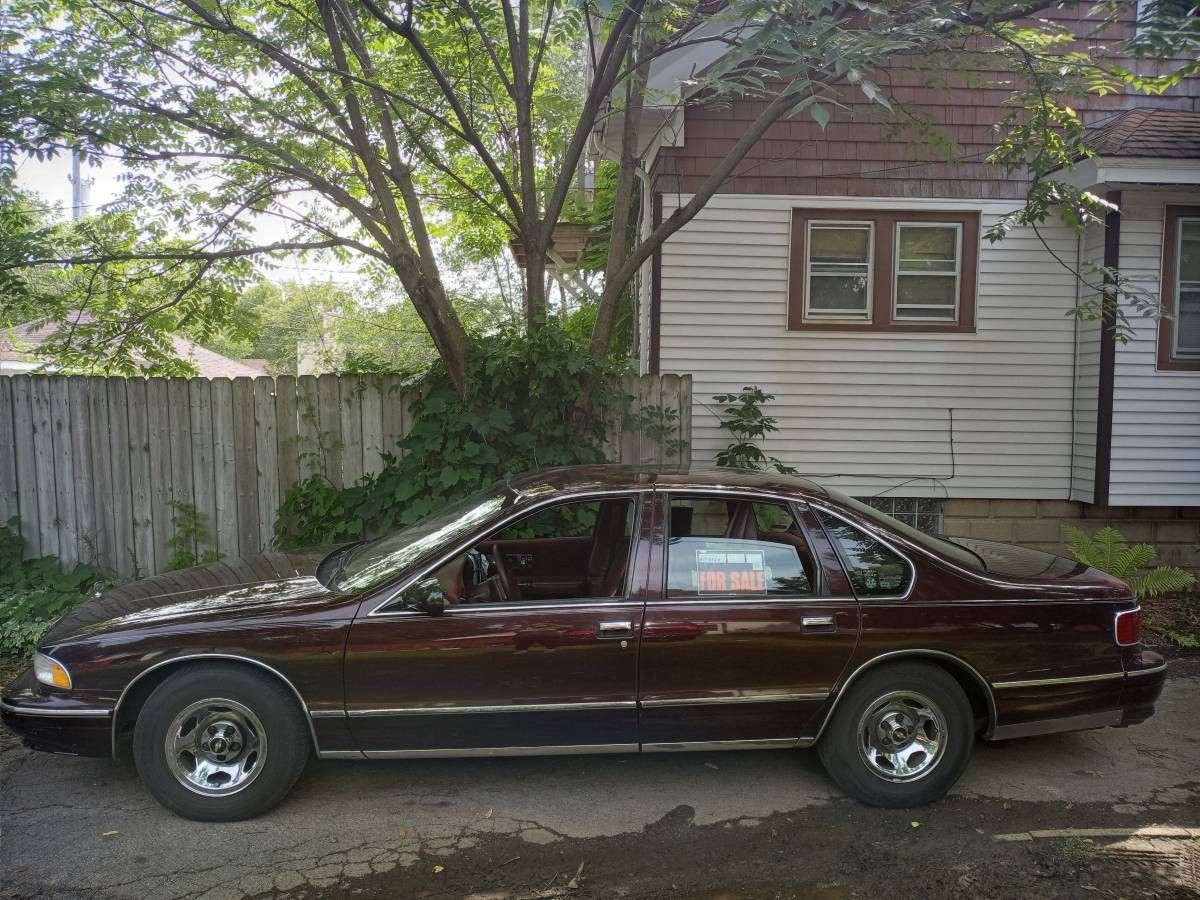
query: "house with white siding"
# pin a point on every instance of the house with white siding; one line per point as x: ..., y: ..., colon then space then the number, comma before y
x: 912, y: 360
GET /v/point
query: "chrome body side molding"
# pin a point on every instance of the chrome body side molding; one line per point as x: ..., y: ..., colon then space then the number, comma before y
x: 76, y: 713
x: 504, y: 708
x: 702, y: 746
x: 1072, y: 679
x: 752, y: 698
x: 457, y: 752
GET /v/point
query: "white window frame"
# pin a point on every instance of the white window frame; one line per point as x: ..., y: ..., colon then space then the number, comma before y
x: 1178, y: 352
x: 897, y: 315
x: 823, y: 315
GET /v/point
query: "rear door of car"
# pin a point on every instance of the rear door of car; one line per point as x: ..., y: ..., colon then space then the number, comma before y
x: 748, y: 628
x: 502, y: 678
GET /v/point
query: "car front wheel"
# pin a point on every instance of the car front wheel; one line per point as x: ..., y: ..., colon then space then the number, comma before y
x: 219, y: 743
x: 900, y: 737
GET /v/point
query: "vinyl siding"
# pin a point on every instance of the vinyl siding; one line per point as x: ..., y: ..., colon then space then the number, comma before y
x: 1087, y: 379
x: 1156, y: 415
x: 869, y: 412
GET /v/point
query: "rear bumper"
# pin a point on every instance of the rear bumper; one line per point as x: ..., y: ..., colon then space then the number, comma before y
x: 1145, y: 674
x: 56, y: 723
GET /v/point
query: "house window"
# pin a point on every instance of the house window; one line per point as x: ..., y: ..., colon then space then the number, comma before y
x: 1179, y: 330
x: 921, y: 513
x: 927, y: 277
x: 855, y: 270
x: 839, y: 270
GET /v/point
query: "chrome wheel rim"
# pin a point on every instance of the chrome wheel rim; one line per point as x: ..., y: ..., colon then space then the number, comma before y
x: 216, y: 747
x: 902, y: 736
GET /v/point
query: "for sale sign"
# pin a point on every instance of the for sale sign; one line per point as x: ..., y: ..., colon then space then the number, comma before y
x: 730, y: 572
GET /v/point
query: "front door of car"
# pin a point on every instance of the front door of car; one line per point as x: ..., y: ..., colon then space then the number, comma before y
x: 536, y: 648
x: 751, y: 627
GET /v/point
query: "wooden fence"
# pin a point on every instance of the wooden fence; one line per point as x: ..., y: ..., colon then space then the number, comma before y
x: 91, y: 465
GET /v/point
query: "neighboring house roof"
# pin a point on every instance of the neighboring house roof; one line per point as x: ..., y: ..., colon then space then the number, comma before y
x: 1161, y: 133
x: 19, y: 350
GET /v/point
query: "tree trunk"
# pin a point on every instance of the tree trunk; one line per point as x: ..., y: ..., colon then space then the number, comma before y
x: 429, y: 298
x: 535, y: 284
x: 623, y: 206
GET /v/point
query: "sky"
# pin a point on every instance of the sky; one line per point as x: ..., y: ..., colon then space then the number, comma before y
x: 51, y: 181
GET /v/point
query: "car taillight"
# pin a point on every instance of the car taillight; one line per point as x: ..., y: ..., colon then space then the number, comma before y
x: 1129, y: 627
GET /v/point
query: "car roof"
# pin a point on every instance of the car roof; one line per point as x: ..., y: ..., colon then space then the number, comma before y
x: 575, y: 479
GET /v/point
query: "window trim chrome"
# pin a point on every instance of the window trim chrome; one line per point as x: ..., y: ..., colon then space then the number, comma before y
x: 379, y: 610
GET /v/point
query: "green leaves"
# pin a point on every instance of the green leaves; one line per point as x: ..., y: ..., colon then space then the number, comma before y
x: 35, y: 592
x: 742, y: 416
x: 1108, y: 551
x: 521, y: 415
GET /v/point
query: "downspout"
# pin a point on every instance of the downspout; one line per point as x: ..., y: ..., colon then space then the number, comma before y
x: 1075, y: 361
x: 1108, y: 353
x: 643, y: 231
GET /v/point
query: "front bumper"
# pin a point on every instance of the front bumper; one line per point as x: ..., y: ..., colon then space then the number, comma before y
x: 56, y: 722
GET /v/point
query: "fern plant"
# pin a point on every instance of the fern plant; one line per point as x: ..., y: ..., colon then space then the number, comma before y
x: 1108, y: 551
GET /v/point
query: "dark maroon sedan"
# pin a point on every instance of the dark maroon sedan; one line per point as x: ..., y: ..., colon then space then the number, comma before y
x: 594, y: 610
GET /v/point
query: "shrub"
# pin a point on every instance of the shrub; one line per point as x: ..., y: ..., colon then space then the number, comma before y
x: 742, y: 416
x: 1110, y: 552
x: 35, y: 592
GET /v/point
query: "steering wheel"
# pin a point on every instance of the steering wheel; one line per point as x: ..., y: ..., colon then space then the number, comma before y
x: 512, y: 592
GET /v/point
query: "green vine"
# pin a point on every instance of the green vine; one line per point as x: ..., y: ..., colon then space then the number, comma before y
x: 522, y: 414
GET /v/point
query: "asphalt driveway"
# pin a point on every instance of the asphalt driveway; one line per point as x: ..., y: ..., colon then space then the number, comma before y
x: 746, y: 824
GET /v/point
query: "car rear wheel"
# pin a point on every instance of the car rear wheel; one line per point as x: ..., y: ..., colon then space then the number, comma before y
x: 219, y: 743
x: 900, y: 737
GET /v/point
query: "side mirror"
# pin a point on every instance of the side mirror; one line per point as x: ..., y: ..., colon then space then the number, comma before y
x: 426, y: 596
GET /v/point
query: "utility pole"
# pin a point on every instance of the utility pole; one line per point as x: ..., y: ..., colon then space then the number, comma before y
x: 81, y: 189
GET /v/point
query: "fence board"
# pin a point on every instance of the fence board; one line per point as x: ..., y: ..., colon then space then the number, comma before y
x: 371, y: 405
x: 139, y: 476
x: 204, y: 495
x: 352, y: 430
x: 96, y: 461
x: 27, y: 497
x: 245, y: 466
x: 64, y: 472
x: 103, y: 541
x: 43, y: 464
x: 79, y: 428
x: 158, y: 420
x: 121, y: 468
x: 308, y: 427
x: 286, y: 434
x: 9, y: 502
x: 266, y: 448
x: 395, y: 413
x: 329, y: 408
x: 225, y: 479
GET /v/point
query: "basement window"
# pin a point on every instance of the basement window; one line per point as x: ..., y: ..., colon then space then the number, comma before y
x: 922, y: 513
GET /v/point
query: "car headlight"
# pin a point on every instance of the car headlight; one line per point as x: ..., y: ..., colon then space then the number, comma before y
x: 49, y: 670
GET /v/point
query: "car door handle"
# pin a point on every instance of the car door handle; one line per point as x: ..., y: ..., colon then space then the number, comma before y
x: 609, y: 630
x: 818, y: 623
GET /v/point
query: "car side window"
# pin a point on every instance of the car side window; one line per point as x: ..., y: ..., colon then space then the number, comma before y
x: 874, y: 570
x: 573, y: 551
x: 735, y: 547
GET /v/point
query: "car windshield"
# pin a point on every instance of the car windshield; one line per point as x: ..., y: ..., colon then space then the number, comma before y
x: 956, y: 553
x: 371, y: 564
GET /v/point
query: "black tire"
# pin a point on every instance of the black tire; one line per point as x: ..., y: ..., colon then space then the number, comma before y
x: 844, y: 751
x: 286, y: 745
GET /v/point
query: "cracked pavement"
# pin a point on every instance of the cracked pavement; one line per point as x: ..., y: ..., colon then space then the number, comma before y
x: 641, y: 825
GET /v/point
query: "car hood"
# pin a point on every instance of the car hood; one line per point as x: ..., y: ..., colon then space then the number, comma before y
x: 236, y: 586
x: 1025, y: 563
